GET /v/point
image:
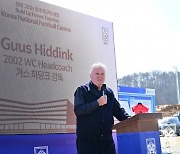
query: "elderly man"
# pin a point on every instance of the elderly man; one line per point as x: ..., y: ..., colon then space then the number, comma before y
x: 94, y: 106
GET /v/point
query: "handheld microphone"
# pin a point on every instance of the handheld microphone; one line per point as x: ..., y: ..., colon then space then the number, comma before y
x: 103, y: 89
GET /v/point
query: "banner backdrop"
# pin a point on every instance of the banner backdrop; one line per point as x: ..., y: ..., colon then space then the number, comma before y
x: 41, y: 143
x: 45, y: 53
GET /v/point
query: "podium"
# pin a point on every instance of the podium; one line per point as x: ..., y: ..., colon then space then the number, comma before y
x: 139, y: 134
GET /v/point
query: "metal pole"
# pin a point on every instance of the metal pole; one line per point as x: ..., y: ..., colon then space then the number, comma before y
x: 177, y: 84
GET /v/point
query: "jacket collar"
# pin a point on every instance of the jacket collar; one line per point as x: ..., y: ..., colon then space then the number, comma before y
x: 93, y: 89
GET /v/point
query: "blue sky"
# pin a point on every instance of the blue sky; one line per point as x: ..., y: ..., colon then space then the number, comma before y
x: 146, y: 32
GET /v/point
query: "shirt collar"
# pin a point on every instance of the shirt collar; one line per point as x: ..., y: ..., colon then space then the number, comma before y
x: 92, y: 85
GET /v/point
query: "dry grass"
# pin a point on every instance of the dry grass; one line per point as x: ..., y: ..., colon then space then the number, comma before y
x: 167, y: 110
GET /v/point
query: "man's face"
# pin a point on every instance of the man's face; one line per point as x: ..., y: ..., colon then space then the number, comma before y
x: 98, y: 76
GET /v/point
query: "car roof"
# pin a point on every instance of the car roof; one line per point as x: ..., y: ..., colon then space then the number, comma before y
x: 166, y: 118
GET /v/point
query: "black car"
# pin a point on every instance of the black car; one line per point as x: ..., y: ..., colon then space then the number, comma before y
x: 169, y: 126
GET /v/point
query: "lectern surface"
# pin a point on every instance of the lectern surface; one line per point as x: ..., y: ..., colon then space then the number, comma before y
x: 143, y: 122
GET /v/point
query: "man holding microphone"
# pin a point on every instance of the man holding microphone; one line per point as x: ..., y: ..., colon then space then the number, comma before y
x: 94, y: 106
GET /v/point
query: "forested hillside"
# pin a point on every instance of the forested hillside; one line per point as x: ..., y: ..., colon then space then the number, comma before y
x: 164, y: 84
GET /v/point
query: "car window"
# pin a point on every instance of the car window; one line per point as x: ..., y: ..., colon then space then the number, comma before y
x: 172, y: 120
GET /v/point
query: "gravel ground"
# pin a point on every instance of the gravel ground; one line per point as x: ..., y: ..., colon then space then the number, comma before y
x: 170, y: 145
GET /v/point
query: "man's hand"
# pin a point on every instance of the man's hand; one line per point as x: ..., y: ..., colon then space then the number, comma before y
x: 102, y: 100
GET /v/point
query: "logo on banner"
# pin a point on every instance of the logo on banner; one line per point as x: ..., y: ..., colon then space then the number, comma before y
x: 105, y: 35
x: 151, y: 146
x: 41, y: 150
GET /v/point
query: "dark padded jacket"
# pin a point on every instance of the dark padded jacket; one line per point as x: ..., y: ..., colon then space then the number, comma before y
x: 94, y: 120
